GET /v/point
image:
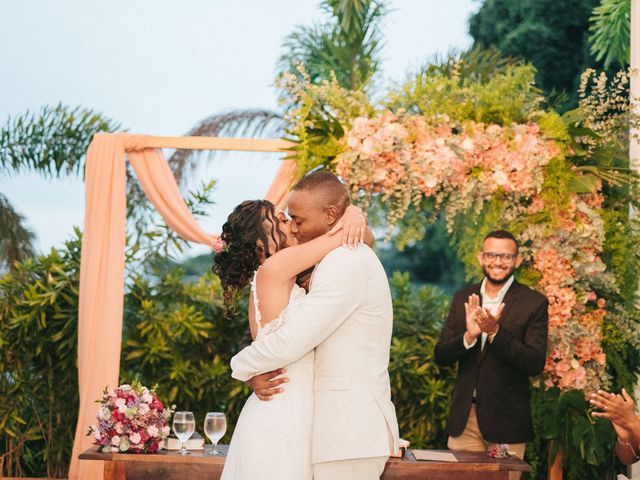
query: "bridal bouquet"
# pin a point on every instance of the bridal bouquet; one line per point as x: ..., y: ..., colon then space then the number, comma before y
x: 131, y: 418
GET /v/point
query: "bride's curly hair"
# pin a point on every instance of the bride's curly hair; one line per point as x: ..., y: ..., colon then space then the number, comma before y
x: 249, y: 222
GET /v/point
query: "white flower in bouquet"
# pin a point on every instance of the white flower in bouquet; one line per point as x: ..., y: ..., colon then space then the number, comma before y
x: 135, y: 438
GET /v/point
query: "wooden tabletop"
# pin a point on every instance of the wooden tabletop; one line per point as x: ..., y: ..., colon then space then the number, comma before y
x: 172, y: 456
x: 475, y: 461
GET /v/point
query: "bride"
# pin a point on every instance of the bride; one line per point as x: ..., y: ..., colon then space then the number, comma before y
x: 272, y: 439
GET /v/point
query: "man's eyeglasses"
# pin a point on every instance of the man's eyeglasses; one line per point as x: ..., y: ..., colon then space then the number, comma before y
x: 504, y: 257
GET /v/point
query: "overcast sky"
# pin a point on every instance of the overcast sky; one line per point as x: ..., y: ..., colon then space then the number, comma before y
x: 158, y: 67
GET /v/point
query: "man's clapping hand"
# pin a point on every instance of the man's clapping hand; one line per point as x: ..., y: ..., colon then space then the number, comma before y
x: 473, y: 329
x: 487, y: 322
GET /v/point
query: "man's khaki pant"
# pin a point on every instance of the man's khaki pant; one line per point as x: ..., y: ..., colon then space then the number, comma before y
x: 353, y: 469
x: 471, y: 440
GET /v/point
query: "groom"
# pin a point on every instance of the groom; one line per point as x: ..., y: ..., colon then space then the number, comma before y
x: 347, y: 317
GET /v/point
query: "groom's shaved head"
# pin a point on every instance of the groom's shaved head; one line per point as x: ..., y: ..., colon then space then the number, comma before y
x: 315, y: 204
x: 326, y: 188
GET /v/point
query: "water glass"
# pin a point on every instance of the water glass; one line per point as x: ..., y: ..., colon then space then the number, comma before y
x: 215, y: 426
x: 184, y: 424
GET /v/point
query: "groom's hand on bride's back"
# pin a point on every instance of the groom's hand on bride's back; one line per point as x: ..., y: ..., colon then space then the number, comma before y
x: 266, y: 385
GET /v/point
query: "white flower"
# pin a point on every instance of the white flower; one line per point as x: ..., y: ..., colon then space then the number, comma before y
x: 125, y: 387
x: 135, y: 438
x: 124, y: 445
x: 165, y: 430
x: 115, y: 440
x: 146, y: 398
x: 467, y: 144
x: 152, y: 430
x: 104, y: 413
x: 500, y: 178
x: 96, y: 435
x: 379, y: 174
x: 121, y: 403
x: 430, y: 182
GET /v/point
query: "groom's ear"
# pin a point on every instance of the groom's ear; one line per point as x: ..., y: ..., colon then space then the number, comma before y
x: 332, y: 215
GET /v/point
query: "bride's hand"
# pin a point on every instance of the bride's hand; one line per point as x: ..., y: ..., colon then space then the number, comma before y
x: 353, y: 225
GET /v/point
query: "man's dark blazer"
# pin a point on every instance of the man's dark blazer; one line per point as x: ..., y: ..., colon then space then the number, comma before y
x: 499, y: 373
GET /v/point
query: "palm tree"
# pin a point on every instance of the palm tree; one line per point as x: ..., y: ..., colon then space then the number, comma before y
x: 52, y: 143
x: 348, y: 44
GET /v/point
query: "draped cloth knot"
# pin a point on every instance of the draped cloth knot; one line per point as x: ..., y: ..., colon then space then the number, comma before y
x: 102, y: 258
x: 135, y: 143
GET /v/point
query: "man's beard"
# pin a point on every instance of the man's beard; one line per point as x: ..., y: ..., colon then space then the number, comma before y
x: 495, y: 281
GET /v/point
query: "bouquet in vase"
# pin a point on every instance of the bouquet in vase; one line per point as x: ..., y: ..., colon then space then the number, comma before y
x: 131, y: 418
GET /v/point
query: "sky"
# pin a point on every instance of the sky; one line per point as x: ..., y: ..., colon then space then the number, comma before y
x: 158, y: 67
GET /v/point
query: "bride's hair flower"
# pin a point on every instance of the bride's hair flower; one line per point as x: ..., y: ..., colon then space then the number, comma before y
x: 220, y: 245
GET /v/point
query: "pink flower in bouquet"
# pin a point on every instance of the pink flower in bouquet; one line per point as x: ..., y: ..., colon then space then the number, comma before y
x: 131, y: 418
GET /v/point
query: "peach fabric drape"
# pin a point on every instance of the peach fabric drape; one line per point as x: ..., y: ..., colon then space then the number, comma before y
x: 102, y: 258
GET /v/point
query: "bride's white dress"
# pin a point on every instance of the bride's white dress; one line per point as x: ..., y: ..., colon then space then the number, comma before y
x: 272, y: 439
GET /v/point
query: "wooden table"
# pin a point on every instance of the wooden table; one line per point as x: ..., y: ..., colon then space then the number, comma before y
x: 170, y: 465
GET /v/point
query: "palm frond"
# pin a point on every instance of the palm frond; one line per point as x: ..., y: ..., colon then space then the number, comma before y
x: 476, y: 65
x: 611, y: 32
x: 235, y: 123
x: 15, y: 238
x: 347, y: 45
x: 53, y: 141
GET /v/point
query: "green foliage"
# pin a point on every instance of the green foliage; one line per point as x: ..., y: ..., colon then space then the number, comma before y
x: 345, y: 47
x: 319, y: 115
x: 611, y: 32
x: 430, y: 260
x: 460, y: 88
x: 421, y: 391
x: 177, y: 336
x: 564, y: 419
x: 15, y: 237
x: 550, y: 35
x: 53, y: 142
x: 38, y: 345
x: 621, y: 254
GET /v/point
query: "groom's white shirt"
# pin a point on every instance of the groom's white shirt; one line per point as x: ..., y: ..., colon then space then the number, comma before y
x: 347, y: 317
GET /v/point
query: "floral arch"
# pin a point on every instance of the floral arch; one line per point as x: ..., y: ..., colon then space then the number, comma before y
x: 485, y: 151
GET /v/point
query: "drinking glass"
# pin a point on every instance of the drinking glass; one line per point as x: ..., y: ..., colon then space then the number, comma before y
x: 215, y: 426
x: 184, y: 424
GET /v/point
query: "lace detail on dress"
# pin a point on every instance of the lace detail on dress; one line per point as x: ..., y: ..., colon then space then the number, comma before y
x: 297, y: 293
x: 256, y: 302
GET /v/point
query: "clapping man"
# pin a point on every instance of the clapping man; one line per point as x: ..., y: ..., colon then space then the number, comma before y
x: 497, y: 333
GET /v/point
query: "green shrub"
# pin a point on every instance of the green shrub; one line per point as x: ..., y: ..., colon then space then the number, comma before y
x: 421, y: 390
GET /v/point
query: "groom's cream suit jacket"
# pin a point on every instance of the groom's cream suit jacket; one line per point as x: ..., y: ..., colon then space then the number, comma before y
x: 347, y: 317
